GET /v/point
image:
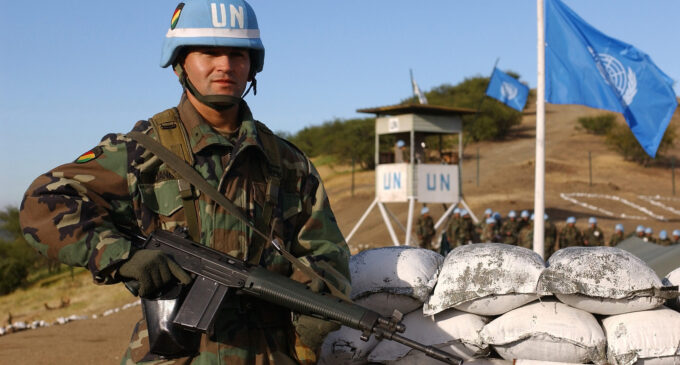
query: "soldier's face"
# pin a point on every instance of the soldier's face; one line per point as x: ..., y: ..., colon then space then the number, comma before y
x: 218, y: 70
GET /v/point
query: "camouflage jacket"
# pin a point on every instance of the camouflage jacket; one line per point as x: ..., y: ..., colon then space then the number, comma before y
x: 509, y: 231
x: 570, y: 236
x: 72, y: 212
x: 425, y: 227
x: 615, y: 239
x: 593, y: 237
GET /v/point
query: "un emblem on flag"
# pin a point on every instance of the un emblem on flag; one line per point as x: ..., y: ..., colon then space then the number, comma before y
x: 615, y: 74
x: 508, y: 91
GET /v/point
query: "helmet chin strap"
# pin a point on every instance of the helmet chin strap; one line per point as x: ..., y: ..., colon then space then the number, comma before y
x: 217, y: 102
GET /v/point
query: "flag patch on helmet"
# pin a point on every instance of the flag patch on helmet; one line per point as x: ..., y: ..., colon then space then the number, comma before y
x: 175, y: 16
x: 89, y: 155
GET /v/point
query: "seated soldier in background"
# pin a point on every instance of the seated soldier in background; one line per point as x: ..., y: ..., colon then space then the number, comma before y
x: 570, y: 235
x: 649, y: 235
x: 489, y: 232
x: 593, y: 235
x: 425, y: 229
x: 663, y: 238
x: 639, y: 232
x: 525, y: 237
x: 467, y: 232
x: 617, y: 236
x: 453, y: 229
x: 509, y: 229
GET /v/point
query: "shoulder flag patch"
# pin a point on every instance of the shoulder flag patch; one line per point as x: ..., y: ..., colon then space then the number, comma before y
x: 89, y: 155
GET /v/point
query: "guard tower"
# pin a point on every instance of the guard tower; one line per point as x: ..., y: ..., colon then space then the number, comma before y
x: 413, y: 172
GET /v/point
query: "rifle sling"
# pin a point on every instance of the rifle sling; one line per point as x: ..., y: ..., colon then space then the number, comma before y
x: 190, y: 175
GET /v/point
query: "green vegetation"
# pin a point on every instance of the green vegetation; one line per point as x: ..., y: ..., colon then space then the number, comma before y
x: 622, y: 140
x: 346, y: 140
x: 599, y: 125
x: 494, y: 120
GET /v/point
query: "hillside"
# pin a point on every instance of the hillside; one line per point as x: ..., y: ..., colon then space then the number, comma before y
x: 506, y: 182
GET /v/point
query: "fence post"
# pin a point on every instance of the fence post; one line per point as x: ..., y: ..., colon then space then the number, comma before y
x: 673, y: 173
x: 477, y: 166
x: 590, y: 169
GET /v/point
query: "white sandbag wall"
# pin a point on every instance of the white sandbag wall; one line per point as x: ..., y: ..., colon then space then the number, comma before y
x: 500, y: 304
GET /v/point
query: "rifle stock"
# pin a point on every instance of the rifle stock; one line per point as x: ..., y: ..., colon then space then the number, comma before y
x: 217, y: 273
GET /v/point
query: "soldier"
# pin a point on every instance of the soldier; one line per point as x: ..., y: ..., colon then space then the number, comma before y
x: 617, y: 236
x: 550, y: 236
x: 640, y: 232
x: 593, y: 235
x: 489, y: 233
x: 676, y: 237
x: 76, y: 211
x: 453, y: 229
x: 649, y: 235
x: 482, y: 222
x: 466, y: 234
x: 663, y: 239
x: 570, y: 235
x: 399, y: 152
x: 525, y: 237
x: 509, y: 229
x: 425, y: 228
x: 523, y: 220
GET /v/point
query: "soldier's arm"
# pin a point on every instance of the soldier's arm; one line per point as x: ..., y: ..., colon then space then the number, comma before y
x: 319, y: 240
x: 68, y: 213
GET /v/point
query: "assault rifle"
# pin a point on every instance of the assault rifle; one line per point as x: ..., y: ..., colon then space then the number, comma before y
x: 217, y: 273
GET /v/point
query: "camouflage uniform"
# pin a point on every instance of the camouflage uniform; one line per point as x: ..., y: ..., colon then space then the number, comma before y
x: 526, y: 236
x: 664, y: 242
x: 593, y: 236
x: 73, y: 211
x: 467, y: 232
x: 509, y: 231
x: 453, y: 231
x: 615, y: 239
x: 570, y: 236
x: 489, y: 234
x: 550, y: 238
x: 425, y: 231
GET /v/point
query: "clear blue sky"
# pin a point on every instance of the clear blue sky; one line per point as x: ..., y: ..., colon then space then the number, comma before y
x: 72, y: 71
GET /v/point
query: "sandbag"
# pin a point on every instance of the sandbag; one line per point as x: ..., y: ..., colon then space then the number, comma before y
x: 345, y: 346
x: 647, y: 337
x: 486, y: 279
x: 452, y: 331
x: 673, y: 278
x: 602, y: 280
x: 487, y: 361
x: 389, y: 278
x: 547, y: 331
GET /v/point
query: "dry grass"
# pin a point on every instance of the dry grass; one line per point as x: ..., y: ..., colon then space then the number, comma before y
x: 84, y: 298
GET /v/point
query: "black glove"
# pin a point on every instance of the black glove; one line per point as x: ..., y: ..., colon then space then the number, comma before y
x: 313, y: 331
x: 154, y: 271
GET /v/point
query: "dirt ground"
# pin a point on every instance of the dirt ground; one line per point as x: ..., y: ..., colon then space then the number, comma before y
x: 506, y: 175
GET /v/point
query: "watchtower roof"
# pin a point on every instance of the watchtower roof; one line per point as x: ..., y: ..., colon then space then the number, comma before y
x: 422, y: 109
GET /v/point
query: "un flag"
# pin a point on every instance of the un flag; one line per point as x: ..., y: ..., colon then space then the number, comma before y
x: 508, y: 90
x: 585, y: 66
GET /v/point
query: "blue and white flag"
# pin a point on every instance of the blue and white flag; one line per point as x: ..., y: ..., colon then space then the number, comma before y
x: 416, y: 90
x: 507, y: 89
x: 585, y: 66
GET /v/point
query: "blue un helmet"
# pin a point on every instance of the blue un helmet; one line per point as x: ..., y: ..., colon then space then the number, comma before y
x: 571, y: 220
x: 592, y: 220
x: 619, y: 227
x: 213, y: 23
x: 639, y: 229
x: 524, y: 214
x: 663, y: 234
x: 490, y: 220
x: 512, y: 214
x: 676, y: 232
x: 649, y: 230
x: 488, y: 212
x: 425, y: 210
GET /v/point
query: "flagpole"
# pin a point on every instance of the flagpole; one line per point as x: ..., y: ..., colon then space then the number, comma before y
x: 539, y: 179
